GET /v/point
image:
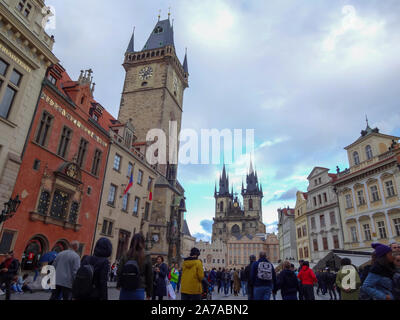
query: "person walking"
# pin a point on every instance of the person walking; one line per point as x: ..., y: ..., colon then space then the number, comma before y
x: 192, y: 277
x: 219, y: 279
x: 8, y: 271
x: 66, y: 264
x: 301, y: 295
x: 212, y: 278
x: 236, y: 282
x: 330, y: 284
x: 174, y: 276
x: 308, y: 279
x: 379, y: 283
x: 348, y: 290
x: 287, y: 282
x: 160, y: 279
x: 396, y: 276
x: 232, y: 273
x: 135, y: 272
x: 250, y: 284
x: 263, y: 277
x: 243, y: 282
x: 101, y: 266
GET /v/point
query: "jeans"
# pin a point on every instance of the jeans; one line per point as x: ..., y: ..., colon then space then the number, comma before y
x: 61, y: 292
x: 137, y: 294
x: 262, y: 293
x: 190, y: 297
x: 244, y: 287
x: 308, y: 292
x: 226, y: 287
x: 4, y: 278
x: 289, y: 297
x: 173, y: 284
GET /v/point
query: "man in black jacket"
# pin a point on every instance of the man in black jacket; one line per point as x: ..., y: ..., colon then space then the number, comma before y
x: 250, y: 285
x: 8, y: 270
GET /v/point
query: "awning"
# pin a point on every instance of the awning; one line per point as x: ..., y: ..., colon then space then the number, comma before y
x: 357, y: 260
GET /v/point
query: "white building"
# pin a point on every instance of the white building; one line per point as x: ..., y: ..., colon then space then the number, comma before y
x: 287, y: 234
x: 323, y: 215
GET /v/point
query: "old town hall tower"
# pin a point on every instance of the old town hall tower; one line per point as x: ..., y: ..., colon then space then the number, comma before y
x: 152, y: 98
x: 154, y: 84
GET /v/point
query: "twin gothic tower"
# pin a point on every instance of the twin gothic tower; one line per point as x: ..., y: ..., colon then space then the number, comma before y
x: 232, y: 218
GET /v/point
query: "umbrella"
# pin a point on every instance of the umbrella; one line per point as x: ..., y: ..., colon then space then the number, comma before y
x: 48, y: 257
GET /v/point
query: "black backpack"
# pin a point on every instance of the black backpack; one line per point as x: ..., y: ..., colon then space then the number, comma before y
x: 83, y: 285
x: 130, y: 275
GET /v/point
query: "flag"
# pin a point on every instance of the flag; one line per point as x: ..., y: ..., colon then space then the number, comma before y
x: 130, y: 184
x: 151, y: 194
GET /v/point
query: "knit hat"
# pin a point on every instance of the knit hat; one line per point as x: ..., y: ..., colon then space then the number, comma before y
x: 380, y: 249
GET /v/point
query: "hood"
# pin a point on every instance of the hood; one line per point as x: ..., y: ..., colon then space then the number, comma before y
x: 103, y: 248
x: 190, y: 262
x: 304, y: 268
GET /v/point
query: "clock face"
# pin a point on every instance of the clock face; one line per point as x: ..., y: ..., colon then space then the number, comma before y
x: 146, y: 73
x: 155, y: 238
x: 236, y: 205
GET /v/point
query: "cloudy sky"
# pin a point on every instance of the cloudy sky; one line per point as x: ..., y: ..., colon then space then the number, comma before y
x: 302, y: 74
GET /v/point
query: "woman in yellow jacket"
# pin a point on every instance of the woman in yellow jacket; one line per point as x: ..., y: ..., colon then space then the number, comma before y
x: 192, y: 276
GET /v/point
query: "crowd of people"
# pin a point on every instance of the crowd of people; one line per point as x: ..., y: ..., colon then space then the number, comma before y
x: 137, y: 278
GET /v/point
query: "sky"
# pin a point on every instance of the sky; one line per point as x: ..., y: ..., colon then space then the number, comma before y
x: 303, y: 74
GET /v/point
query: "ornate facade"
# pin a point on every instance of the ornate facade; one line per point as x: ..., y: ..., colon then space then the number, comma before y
x: 302, y: 227
x: 25, y: 55
x: 369, y: 191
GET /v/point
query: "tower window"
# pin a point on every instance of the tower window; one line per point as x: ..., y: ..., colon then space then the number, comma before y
x: 144, y: 84
x: 251, y: 204
x: 158, y: 30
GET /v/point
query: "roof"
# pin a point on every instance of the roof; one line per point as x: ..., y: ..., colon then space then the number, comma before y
x: 161, y: 36
x: 186, y: 230
x: 371, y: 132
x: 305, y: 195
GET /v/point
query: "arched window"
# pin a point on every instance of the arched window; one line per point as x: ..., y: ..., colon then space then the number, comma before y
x: 73, y: 214
x: 356, y: 158
x: 235, y: 229
x: 368, y: 151
x: 221, y: 206
x: 250, y: 204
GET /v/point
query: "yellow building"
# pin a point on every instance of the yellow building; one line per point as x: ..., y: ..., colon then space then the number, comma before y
x: 121, y: 217
x: 301, y: 224
x: 369, y: 191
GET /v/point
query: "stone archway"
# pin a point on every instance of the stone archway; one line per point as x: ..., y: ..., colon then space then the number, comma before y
x: 34, y: 249
x: 60, y: 245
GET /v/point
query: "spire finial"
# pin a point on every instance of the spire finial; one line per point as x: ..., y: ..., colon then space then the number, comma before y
x: 366, y: 117
x: 169, y: 12
x: 159, y: 14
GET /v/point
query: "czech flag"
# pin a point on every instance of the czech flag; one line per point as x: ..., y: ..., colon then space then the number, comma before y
x: 130, y: 184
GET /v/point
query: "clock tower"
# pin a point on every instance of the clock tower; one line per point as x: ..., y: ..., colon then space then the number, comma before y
x: 154, y: 85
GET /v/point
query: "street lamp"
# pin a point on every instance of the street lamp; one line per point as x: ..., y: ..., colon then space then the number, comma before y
x: 10, y: 208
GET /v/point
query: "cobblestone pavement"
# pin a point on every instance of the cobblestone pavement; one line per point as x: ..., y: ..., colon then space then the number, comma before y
x: 113, y: 294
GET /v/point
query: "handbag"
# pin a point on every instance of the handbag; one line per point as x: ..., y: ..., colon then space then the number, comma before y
x: 171, y: 292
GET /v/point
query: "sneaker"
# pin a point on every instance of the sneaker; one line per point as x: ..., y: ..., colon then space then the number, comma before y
x: 1, y: 292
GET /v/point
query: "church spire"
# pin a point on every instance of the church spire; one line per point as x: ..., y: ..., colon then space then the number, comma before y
x: 185, y: 63
x: 131, y: 46
x: 161, y: 36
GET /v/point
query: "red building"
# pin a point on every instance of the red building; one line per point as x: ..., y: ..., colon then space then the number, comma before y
x: 61, y: 177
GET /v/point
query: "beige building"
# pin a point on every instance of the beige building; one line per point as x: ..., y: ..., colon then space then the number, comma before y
x: 213, y: 255
x: 25, y: 55
x: 189, y: 242
x: 301, y: 225
x: 240, y: 249
x: 369, y: 191
x: 153, y: 97
x: 120, y: 217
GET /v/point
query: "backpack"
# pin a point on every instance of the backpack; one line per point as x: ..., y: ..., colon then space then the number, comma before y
x: 264, y: 271
x: 83, y: 286
x: 130, y: 275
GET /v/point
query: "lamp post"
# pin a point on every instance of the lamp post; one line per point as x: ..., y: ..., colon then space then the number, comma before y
x: 10, y: 208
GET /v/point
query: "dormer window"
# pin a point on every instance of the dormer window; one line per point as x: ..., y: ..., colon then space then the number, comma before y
x: 158, y: 30
x: 356, y: 158
x: 52, y: 79
x: 368, y: 151
x: 95, y: 117
x: 24, y: 7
